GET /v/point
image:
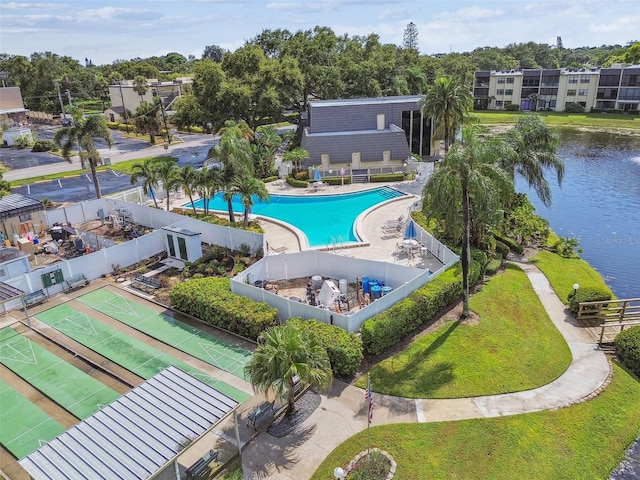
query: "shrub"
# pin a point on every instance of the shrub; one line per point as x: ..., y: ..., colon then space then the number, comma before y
x: 387, y: 177
x: 512, y: 108
x: 574, y: 108
x: 595, y: 110
x: 627, y: 345
x: 297, y: 183
x: 44, y: 146
x: 586, y: 294
x: 494, y: 264
x: 344, y: 349
x: 302, y: 175
x: 387, y: 328
x: 210, y: 299
x: 502, y: 249
x: 567, y: 247
x: 337, y: 181
x: 613, y: 110
x: 511, y: 244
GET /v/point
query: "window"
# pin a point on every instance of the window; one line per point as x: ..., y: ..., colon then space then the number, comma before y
x: 629, y: 80
x: 172, y: 248
x: 501, y: 79
x: 629, y: 94
x: 500, y: 91
x: 573, y: 79
x: 571, y: 93
x: 585, y: 79
x: 583, y: 92
x: 508, y: 91
x: 510, y: 80
x: 499, y: 103
x: 26, y: 217
x: 552, y: 104
x: 182, y: 246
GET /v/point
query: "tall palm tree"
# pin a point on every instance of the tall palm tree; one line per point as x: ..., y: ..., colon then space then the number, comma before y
x: 147, y: 120
x: 146, y: 172
x: 140, y: 86
x: 246, y: 187
x: 81, y: 134
x: 187, y: 179
x: 264, y: 150
x: 470, y: 172
x: 534, y: 150
x: 284, y: 353
x: 168, y: 175
x: 208, y: 182
x: 296, y: 157
x: 447, y: 102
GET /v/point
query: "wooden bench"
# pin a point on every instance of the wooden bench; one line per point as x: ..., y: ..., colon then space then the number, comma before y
x: 75, y: 282
x: 34, y: 298
x: 146, y: 284
x: 258, y: 413
x: 201, y: 465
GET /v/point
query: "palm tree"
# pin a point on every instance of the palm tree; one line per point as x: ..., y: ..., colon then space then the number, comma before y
x: 147, y: 172
x: 534, y: 149
x: 168, y: 174
x: 246, y: 187
x: 187, y: 178
x: 140, y: 86
x: 82, y: 133
x: 447, y: 102
x: 296, y: 157
x: 264, y: 150
x: 470, y: 170
x: 147, y: 120
x: 208, y: 182
x: 284, y: 353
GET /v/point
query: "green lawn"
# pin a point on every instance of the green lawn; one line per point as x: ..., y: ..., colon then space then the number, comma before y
x: 562, y: 273
x: 560, y: 119
x: 584, y: 441
x: 514, y: 347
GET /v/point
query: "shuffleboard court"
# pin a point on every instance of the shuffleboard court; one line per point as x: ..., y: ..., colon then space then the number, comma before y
x: 24, y: 426
x: 208, y: 348
x: 74, y: 390
x: 130, y: 353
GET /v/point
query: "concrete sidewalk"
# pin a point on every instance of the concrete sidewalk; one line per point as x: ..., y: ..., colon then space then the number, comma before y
x: 343, y: 412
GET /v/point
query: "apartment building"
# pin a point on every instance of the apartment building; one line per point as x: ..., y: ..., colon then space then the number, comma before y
x: 615, y: 87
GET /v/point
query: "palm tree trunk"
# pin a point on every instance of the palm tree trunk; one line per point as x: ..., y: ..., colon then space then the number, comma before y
x: 94, y: 175
x: 232, y: 217
x: 167, y: 199
x: 446, y: 136
x: 192, y: 204
x: 466, y: 251
x: 246, y: 218
x: 153, y: 195
x: 291, y: 401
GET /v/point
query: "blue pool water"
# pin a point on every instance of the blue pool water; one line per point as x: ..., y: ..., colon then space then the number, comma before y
x: 324, y: 219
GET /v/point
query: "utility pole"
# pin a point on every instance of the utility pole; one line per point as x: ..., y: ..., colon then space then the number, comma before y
x: 126, y: 120
x: 69, y: 96
x: 164, y: 117
x: 64, y: 115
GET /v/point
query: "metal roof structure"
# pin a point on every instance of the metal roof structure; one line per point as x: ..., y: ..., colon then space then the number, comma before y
x: 15, y: 204
x: 9, y: 292
x: 135, y: 435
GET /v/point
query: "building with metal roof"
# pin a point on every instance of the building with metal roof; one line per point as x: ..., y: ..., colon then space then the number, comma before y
x: 135, y: 436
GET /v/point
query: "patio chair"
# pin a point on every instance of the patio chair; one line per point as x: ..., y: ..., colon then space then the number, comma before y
x: 392, y: 230
x: 278, y: 250
x: 400, y: 219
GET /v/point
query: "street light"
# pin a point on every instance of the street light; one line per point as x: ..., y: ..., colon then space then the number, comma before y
x: 338, y: 472
x: 575, y: 288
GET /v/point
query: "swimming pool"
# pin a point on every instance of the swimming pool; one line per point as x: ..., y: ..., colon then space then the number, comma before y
x: 325, y: 219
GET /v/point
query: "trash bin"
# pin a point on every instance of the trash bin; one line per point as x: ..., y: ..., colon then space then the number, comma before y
x: 106, y: 161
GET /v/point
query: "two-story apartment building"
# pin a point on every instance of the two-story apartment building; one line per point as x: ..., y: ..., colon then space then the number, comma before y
x: 365, y: 132
x: 616, y: 87
x: 123, y: 95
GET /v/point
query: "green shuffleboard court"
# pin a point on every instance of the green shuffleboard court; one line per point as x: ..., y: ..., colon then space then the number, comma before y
x: 71, y: 388
x: 208, y: 348
x: 134, y: 355
x: 24, y: 426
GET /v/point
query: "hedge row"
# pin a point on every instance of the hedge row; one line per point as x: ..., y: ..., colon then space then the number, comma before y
x: 628, y: 348
x: 344, y: 349
x: 297, y: 183
x: 210, y: 299
x: 511, y: 244
x: 337, y: 180
x: 387, y: 177
x: 586, y: 294
x: 387, y: 328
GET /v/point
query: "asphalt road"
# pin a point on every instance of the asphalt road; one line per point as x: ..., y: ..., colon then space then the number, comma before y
x: 188, y: 149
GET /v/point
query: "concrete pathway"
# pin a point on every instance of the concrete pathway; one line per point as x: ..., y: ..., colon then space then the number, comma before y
x: 343, y: 412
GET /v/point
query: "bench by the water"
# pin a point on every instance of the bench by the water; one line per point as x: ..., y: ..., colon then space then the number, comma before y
x: 201, y: 465
x: 146, y: 284
x: 34, y: 298
x: 75, y: 282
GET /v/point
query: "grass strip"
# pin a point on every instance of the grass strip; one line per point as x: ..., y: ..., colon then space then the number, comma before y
x: 74, y: 390
x: 24, y: 425
x: 513, y: 347
x: 587, y: 440
x: 208, y: 348
x: 600, y: 121
x: 134, y: 355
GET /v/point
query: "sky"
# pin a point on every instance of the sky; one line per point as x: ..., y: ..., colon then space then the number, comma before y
x: 108, y: 30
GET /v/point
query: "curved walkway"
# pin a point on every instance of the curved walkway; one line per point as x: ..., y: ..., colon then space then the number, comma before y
x: 343, y: 412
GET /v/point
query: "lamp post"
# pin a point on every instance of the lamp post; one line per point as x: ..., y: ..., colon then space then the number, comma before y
x: 575, y: 288
x: 338, y: 472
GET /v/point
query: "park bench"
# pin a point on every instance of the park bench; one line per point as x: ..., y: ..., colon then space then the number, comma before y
x: 146, y: 284
x: 75, y: 282
x: 202, y: 464
x: 259, y: 412
x: 35, y: 298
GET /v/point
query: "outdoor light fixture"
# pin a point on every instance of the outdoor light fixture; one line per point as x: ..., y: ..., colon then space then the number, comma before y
x: 338, y: 472
x: 575, y: 288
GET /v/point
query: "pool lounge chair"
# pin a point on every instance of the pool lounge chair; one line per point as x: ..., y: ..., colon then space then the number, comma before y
x: 392, y: 230
x: 278, y: 250
x: 400, y: 219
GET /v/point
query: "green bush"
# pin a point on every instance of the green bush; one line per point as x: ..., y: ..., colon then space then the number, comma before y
x: 44, y: 146
x: 627, y: 345
x: 514, y: 107
x: 574, y: 108
x: 502, y: 249
x: 386, y: 329
x: 494, y: 264
x: 337, y: 181
x: 344, y: 349
x: 613, y: 110
x: 210, y: 299
x: 270, y: 179
x: 387, y: 177
x: 302, y: 175
x: 586, y: 294
x: 297, y: 183
x: 513, y: 245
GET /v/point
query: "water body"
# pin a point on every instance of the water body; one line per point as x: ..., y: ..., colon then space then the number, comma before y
x: 599, y: 203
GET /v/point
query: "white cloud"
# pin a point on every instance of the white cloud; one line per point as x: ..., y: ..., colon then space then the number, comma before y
x: 32, y: 6
x: 621, y: 24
